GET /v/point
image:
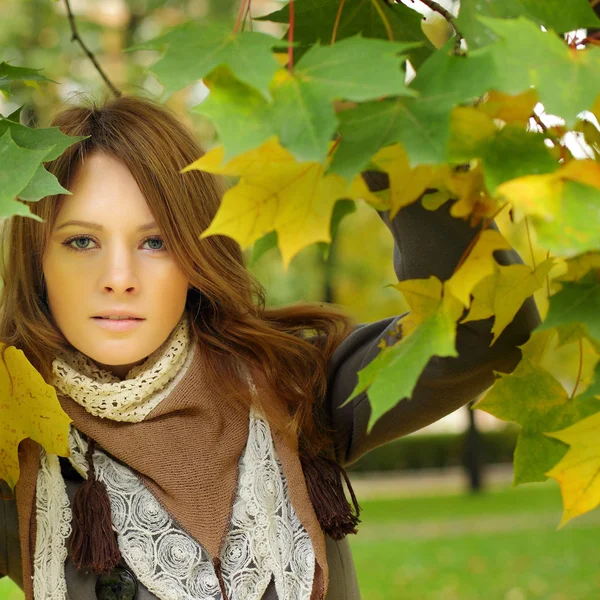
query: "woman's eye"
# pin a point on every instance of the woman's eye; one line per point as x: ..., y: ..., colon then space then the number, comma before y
x: 81, y: 243
x: 78, y: 245
x: 156, y: 243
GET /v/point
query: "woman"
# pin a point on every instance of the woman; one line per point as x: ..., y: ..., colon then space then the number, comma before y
x: 207, y: 446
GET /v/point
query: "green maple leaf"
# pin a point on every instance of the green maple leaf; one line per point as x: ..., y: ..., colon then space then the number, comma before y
x: 514, y: 152
x: 8, y: 74
x: 505, y: 154
x: 314, y: 21
x: 193, y: 50
x: 421, y: 124
x: 18, y: 166
x: 301, y: 112
x: 392, y: 375
x: 577, y: 302
x: 558, y: 15
x: 525, y: 56
x: 576, y: 226
x: 51, y: 138
x: 538, y: 402
x: 343, y: 70
x: 241, y: 115
x: 53, y: 141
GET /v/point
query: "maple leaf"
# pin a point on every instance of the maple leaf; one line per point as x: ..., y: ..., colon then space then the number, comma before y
x: 473, y: 203
x: 420, y: 124
x: 510, y: 108
x: 470, y: 130
x: 479, y: 264
x: 240, y: 114
x: 579, y: 266
x: 428, y: 330
x: 564, y: 206
x: 552, y: 14
x: 314, y: 21
x: 525, y: 56
x: 578, y: 472
x: 505, y: 154
x: 29, y: 408
x: 578, y: 302
x: 532, y: 397
x: 19, y: 166
x: 275, y: 192
x: 9, y: 74
x: 22, y: 152
x: 406, y: 185
x: 503, y: 292
x: 193, y: 50
x: 522, y: 57
x: 343, y: 70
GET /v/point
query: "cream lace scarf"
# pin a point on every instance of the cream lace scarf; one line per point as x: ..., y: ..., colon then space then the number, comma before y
x: 171, y: 564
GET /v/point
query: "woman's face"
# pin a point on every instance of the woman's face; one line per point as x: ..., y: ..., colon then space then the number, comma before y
x: 114, y: 264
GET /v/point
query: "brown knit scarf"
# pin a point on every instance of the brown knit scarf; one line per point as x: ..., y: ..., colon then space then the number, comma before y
x: 179, y: 454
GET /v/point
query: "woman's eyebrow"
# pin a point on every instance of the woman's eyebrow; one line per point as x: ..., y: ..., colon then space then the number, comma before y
x: 99, y: 227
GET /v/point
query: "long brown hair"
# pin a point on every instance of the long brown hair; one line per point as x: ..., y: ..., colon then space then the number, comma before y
x: 229, y: 318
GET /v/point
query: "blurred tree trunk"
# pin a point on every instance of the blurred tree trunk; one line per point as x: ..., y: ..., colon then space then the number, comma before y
x: 473, y: 449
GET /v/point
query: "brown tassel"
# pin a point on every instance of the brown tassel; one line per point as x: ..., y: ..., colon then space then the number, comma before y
x: 93, y: 544
x: 217, y: 566
x: 327, y: 495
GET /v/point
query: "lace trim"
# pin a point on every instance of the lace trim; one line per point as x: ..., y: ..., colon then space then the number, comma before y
x: 265, y: 538
x: 53, y: 519
x: 104, y: 395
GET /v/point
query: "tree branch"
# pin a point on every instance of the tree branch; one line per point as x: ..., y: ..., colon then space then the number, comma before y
x: 75, y: 37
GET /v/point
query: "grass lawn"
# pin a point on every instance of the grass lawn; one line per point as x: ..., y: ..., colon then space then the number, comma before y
x: 501, y: 545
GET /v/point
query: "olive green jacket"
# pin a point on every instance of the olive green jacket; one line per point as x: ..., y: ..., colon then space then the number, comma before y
x: 426, y: 243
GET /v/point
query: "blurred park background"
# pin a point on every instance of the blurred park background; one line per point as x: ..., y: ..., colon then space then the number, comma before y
x: 440, y: 518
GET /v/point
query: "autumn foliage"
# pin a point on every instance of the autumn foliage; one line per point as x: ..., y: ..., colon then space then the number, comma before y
x: 457, y: 114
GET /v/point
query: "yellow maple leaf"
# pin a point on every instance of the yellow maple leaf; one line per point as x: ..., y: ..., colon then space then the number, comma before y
x: 470, y: 130
x: 510, y: 108
x: 426, y: 297
x: 503, y: 292
x: 578, y: 472
x: 479, y: 264
x: 406, y: 184
x: 473, y: 202
x: 275, y: 192
x: 29, y: 408
x: 541, y: 195
x: 596, y: 107
x: 578, y: 266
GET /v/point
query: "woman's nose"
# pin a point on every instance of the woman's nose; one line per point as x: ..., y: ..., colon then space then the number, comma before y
x: 119, y: 272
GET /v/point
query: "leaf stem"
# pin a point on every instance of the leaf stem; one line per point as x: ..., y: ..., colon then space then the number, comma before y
x: 438, y: 8
x: 544, y: 128
x: 337, y: 20
x: 335, y: 145
x: 475, y: 238
x: 530, y: 245
x: 248, y: 13
x: 580, y: 366
x: 240, y: 15
x: 384, y: 19
x: 291, y: 38
x: 76, y: 37
x: 548, y: 276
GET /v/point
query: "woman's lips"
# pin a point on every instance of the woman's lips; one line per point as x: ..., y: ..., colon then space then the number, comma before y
x: 118, y: 324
